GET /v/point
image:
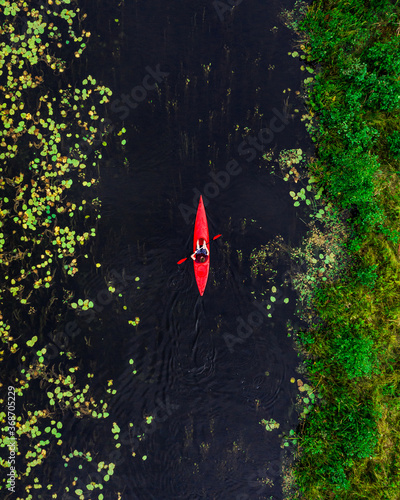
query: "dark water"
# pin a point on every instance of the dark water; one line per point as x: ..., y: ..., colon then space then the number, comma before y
x: 206, y: 395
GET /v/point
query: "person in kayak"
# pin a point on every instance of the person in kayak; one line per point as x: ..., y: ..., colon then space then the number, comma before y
x: 201, y: 254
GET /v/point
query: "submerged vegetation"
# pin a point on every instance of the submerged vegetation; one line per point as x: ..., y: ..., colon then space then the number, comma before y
x: 51, y: 139
x: 349, y: 444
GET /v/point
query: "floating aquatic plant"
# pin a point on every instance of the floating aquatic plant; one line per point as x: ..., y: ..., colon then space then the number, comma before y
x: 134, y: 322
x: 270, y: 424
x: 49, y: 130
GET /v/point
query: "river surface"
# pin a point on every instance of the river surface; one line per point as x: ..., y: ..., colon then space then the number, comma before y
x: 205, y: 370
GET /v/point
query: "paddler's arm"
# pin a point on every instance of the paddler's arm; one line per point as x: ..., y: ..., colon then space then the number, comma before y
x: 205, y: 248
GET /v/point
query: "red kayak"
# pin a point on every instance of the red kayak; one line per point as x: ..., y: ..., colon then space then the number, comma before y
x: 201, y: 233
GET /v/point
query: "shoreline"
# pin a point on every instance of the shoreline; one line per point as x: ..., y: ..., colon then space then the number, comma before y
x: 348, y: 445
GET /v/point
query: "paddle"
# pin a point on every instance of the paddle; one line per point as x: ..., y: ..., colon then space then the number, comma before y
x: 186, y: 258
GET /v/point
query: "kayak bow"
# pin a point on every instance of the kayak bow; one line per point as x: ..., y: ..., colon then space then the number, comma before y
x: 201, y: 270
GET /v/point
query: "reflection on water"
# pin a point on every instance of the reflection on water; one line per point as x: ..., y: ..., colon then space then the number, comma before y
x: 188, y: 406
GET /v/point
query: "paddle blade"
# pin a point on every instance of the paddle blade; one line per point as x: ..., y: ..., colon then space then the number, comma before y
x: 218, y: 235
x: 182, y: 260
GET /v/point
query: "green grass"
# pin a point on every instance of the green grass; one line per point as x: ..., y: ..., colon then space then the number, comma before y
x: 349, y: 445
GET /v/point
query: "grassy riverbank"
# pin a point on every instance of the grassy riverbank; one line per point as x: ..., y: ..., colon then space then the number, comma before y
x: 349, y: 445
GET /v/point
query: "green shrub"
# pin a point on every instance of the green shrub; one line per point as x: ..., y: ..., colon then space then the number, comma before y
x: 369, y: 216
x: 383, y: 57
x: 367, y: 276
x: 392, y: 235
x: 358, y: 432
x: 354, y: 70
x: 384, y: 93
x: 335, y: 474
x: 351, y: 179
x: 343, y: 120
x: 334, y: 436
x: 394, y: 144
x: 333, y: 33
x: 355, y: 353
